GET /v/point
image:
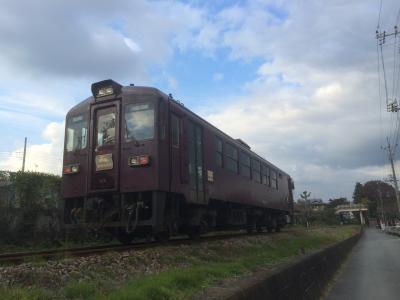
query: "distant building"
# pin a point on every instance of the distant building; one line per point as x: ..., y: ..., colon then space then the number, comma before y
x: 317, y: 204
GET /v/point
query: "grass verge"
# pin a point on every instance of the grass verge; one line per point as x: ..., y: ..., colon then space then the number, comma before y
x: 188, y: 270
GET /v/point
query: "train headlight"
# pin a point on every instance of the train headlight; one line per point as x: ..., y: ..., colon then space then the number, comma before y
x: 105, y: 91
x: 140, y: 160
x: 71, y: 169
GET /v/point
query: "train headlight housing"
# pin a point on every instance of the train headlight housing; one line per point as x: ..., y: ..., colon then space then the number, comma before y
x: 140, y: 160
x: 105, y: 88
x: 71, y: 169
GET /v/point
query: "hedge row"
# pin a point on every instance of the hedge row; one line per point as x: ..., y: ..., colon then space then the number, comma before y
x: 29, y: 207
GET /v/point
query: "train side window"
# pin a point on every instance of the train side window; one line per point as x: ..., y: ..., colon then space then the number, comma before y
x: 161, y: 114
x: 274, y: 179
x: 175, y: 130
x: 265, y: 175
x: 255, y: 170
x: 218, y: 152
x: 269, y: 177
x: 231, y: 158
x: 245, y: 165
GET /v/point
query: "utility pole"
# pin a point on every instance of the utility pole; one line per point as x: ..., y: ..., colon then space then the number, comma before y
x: 391, y: 103
x: 396, y: 186
x: 305, y: 196
x: 381, y: 204
x: 23, y: 159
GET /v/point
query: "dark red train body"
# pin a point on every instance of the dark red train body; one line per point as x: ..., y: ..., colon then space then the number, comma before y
x: 137, y: 162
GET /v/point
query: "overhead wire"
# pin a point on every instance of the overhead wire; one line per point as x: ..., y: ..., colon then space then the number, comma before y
x: 385, y: 42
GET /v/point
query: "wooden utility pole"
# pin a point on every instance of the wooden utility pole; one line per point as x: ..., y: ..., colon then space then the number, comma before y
x: 381, y: 204
x: 23, y: 159
x: 305, y: 196
x: 394, y: 178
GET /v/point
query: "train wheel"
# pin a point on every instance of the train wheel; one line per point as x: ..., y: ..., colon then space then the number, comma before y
x: 250, y: 229
x: 162, y: 237
x: 193, y: 232
x: 124, y: 237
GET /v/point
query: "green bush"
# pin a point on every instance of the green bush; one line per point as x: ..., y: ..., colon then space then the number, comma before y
x: 29, y: 207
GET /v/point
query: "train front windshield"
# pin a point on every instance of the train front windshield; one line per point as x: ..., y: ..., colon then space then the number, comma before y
x: 139, y: 122
x: 76, y: 135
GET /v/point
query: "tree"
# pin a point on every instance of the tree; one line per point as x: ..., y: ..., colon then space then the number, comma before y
x: 338, y: 201
x: 357, y: 194
x: 381, y: 196
x: 305, y: 196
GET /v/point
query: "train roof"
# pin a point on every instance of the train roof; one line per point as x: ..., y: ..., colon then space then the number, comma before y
x: 151, y: 91
x: 132, y: 90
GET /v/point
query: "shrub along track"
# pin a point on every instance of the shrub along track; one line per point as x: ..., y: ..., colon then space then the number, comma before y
x: 21, y: 257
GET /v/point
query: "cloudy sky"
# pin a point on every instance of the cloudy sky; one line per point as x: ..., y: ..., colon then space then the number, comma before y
x: 297, y: 80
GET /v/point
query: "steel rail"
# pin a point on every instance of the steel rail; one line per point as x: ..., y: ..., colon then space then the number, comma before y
x: 21, y: 257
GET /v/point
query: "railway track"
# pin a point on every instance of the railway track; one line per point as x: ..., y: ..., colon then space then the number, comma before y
x: 21, y: 257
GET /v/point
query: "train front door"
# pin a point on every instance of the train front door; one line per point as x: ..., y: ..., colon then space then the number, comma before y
x: 195, y: 162
x: 105, y: 142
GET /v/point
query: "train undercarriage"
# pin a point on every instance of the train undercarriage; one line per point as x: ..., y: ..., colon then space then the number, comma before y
x: 160, y: 215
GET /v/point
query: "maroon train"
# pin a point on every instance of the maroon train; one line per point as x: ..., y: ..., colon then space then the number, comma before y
x: 138, y: 163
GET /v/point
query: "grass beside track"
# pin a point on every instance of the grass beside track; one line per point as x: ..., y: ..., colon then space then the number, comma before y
x: 190, y: 270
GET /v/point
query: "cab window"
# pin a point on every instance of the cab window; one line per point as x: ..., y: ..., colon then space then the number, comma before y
x: 106, y: 129
x: 139, y: 122
x: 76, y: 135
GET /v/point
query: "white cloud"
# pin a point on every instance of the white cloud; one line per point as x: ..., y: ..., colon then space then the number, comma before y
x: 92, y: 39
x: 320, y: 130
x: 132, y: 45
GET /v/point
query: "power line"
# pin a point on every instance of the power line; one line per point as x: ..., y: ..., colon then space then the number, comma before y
x: 388, y: 56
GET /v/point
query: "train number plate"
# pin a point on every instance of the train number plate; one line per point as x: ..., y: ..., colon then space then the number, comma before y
x: 104, y: 162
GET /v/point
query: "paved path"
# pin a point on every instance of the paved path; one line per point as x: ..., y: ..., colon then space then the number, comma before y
x: 372, y: 270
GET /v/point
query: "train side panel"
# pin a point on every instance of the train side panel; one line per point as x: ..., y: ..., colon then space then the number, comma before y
x: 222, y: 184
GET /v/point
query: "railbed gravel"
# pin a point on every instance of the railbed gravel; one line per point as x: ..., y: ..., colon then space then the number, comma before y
x: 120, y: 266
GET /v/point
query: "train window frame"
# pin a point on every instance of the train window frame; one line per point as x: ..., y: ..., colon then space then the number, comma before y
x: 265, y: 179
x: 99, y: 135
x: 175, y: 130
x: 81, y: 120
x: 151, y: 106
x: 219, y: 152
x: 162, y: 119
x: 231, y: 158
x: 256, y: 172
x: 274, y: 179
x: 245, y: 164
